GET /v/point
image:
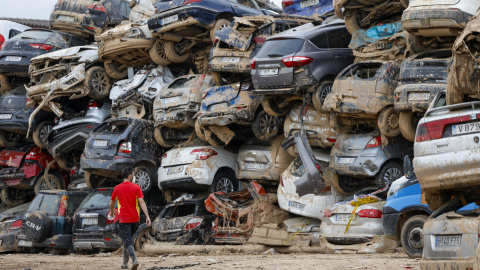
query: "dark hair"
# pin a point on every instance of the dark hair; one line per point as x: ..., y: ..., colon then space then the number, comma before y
x: 126, y: 172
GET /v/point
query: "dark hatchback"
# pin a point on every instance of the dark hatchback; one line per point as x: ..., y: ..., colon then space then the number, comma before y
x: 118, y: 143
x: 10, y: 226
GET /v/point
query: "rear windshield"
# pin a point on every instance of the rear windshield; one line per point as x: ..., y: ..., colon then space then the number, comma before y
x: 431, y: 71
x: 47, y: 203
x: 183, y: 82
x: 112, y: 127
x: 280, y: 47
x: 18, y: 209
x: 97, y: 200
x: 179, y: 211
x: 34, y: 34
x: 363, y: 71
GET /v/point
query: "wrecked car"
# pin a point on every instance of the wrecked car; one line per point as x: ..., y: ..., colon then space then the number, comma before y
x: 224, y: 108
x: 10, y: 226
x: 307, y: 8
x: 14, y: 118
x: 358, y: 158
x: 48, y: 222
x: 22, y: 170
x: 117, y: 143
x: 263, y: 161
x: 86, y: 18
x: 16, y: 53
x: 235, y: 45
x: 175, y: 106
x: 134, y: 97
x: 77, y: 179
x: 67, y: 74
x: 196, y: 165
x: 421, y: 77
x: 363, y: 94
x: 302, y: 60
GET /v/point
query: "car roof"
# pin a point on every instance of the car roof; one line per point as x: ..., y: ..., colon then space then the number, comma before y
x: 307, y: 30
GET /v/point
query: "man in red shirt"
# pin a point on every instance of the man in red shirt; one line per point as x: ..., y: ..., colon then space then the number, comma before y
x: 128, y: 195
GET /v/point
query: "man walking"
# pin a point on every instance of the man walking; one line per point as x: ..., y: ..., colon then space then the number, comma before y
x: 128, y: 195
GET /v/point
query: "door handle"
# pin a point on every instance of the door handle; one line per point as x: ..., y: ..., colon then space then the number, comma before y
x: 339, y: 57
x: 442, y: 144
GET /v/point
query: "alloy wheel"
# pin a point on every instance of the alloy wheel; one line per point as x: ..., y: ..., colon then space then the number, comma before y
x: 224, y: 184
x: 143, y: 179
x: 391, y: 175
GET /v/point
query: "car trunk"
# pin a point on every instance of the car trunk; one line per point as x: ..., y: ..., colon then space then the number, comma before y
x: 359, y: 80
x: 258, y: 157
x: 104, y: 141
x: 181, y: 92
x: 173, y: 220
x: 91, y: 216
x: 13, y: 102
x: 220, y: 95
x: 119, y: 90
x: 312, y: 117
x: 347, y: 143
x: 341, y: 214
x: 36, y: 41
x: 181, y: 155
x: 165, y: 5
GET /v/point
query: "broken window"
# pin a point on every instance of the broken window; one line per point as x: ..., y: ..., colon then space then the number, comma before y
x: 366, y: 71
x: 112, y: 127
x: 179, y: 211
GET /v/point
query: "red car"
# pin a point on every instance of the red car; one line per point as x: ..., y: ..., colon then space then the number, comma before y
x: 22, y: 169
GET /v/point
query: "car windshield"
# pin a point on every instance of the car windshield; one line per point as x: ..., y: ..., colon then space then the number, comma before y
x: 280, y: 47
x: 112, y: 127
x: 34, y: 34
x: 179, y: 210
x: 97, y: 200
x: 47, y: 203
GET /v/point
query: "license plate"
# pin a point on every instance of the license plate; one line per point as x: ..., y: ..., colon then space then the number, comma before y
x: 296, y: 205
x: 418, y: 96
x: 218, y: 106
x: 170, y: 19
x: 171, y: 100
x: 346, y: 160
x: 6, y: 116
x: 100, y: 143
x: 81, y: 185
x: 343, y: 217
x: 90, y: 221
x: 231, y: 59
x: 308, y: 3
x: 466, y: 128
x: 448, y: 240
x: 270, y: 71
x: 256, y: 166
x: 175, y: 170
x: 13, y: 58
x: 66, y: 18
x: 24, y: 243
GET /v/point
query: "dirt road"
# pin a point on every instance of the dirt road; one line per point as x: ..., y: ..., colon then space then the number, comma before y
x: 108, y: 261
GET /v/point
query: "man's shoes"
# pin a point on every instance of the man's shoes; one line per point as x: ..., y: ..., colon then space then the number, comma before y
x: 126, y: 256
x: 135, y: 265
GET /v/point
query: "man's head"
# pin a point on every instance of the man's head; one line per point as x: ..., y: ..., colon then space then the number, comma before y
x: 127, y: 173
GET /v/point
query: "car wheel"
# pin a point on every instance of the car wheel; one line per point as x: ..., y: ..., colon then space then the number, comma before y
x: 9, y: 139
x: 144, y: 178
x: 40, y: 133
x: 54, y: 181
x: 97, y: 82
x: 390, y: 172
x: 42, y: 226
x: 158, y: 54
x: 63, y: 163
x: 334, y: 121
x: 351, y: 20
x: 343, y: 184
x: 91, y: 180
x: 171, y: 49
x: 160, y: 137
x: 388, y: 122
x: 141, y: 237
x: 265, y: 127
x: 218, y: 25
x: 115, y: 70
x: 408, y: 124
x: 212, y: 139
x: 321, y: 93
x: 5, y: 85
x: 225, y: 182
x: 270, y: 105
x: 412, y: 236
x: 12, y: 197
x: 436, y: 200
x: 199, y: 130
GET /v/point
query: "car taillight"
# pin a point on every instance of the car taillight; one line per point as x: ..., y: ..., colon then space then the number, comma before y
x: 191, y: 1
x: 97, y: 7
x: 370, y: 213
x: 281, y: 181
x: 32, y: 156
x: 327, y: 213
x: 92, y: 104
x: 318, y: 167
x: 259, y: 40
x: 203, y: 153
x: 252, y: 64
x: 73, y: 170
x: 434, y: 130
x: 16, y: 225
x: 125, y: 147
x: 164, y: 155
x: 331, y: 140
x: 63, y: 206
x: 287, y: 3
x: 374, y: 142
x: 193, y: 223
x: 297, y: 61
x: 2, y: 40
x: 215, y: 40
x: 40, y: 46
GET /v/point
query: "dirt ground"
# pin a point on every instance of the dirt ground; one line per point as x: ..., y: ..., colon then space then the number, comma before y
x: 268, y: 260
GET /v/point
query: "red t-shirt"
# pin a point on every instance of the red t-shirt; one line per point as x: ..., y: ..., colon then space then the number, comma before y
x: 127, y: 194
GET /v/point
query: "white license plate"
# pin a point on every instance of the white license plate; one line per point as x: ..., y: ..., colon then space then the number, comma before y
x: 255, y: 166
x: 418, y: 96
x: 343, y: 217
x: 24, y: 243
x: 100, y: 143
x: 231, y: 59
x: 13, y: 58
x: 308, y: 3
x: 175, y: 170
x: 6, y: 116
x: 66, y: 18
x: 296, y: 205
x: 218, y: 106
x: 448, y: 240
x: 269, y: 71
x: 171, y: 100
x: 346, y: 160
x: 466, y: 128
x: 90, y: 221
x: 170, y: 19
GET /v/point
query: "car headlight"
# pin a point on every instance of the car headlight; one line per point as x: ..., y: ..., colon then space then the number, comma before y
x: 397, y: 185
x: 134, y: 33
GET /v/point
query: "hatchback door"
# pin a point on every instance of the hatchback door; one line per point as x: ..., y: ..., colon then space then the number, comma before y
x: 105, y: 140
x: 257, y: 156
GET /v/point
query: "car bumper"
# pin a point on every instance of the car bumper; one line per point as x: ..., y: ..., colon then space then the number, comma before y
x: 434, y: 18
x: 8, y: 241
x: 95, y: 243
x: 355, y: 234
x: 366, y: 162
x: 390, y: 225
x: 194, y: 175
x: 403, y: 92
x: 273, y: 173
x: 463, y: 264
x: 177, y: 117
x: 237, y: 240
x: 73, y: 140
x: 242, y: 66
x: 228, y: 116
x: 121, y: 46
x: 18, y: 68
x: 107, y: 166
x: 15, y: 125
x: 60, y: 241
x: 309, y: 207
x: 366, y: 105
x: 187, y: 16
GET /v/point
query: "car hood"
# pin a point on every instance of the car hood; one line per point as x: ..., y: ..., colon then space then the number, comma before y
x: 82, y: 54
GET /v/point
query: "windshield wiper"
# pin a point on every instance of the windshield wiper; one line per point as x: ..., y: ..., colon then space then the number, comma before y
x: 275, y: 55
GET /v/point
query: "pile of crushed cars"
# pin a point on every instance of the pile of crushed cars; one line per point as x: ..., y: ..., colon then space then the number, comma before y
x: 245, y: 123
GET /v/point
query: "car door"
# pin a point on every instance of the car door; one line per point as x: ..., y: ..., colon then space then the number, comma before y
x: 338, y: 41
x: 244, y: 7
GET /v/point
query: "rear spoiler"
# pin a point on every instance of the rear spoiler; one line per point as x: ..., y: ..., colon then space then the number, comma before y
x: 474, y: 105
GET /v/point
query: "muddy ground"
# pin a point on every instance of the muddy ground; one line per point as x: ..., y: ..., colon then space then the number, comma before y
x: 268, y: 260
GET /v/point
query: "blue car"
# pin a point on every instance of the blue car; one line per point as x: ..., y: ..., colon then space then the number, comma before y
x: 307, y: 7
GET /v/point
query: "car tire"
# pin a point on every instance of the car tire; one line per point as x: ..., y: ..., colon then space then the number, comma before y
x: 212, y: 139
x: 114, y: 69
x: 97, y: 82
x: 408, y: 125
x: 172, y: 54
x: 40, y: 184
x: 91, y: 180
x: 145, y: 178
x: 224, y: 181
x: 351, y: 20
x: 388, y: 122
x: 436, y: 200
x: 9, y: 139
x: 334, y: 121
x: 218, y: 25
x: 266, y: 127
x: 160, y: 138
x: 389, y: 173
x: 42, y: 226
x: 8, y: 198
x: 271, y: 108
x: 40, y: 133
x: 217, y: 78
x: 200, y: 130
x: 341, y: 184
x: 5, y: 85
x: 158, y: 54
x: 141, y: 237
x: 320, y: 94
x: 62, y: 162
x: 411, y: 236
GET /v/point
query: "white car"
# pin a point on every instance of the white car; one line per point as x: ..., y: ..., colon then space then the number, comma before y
x: 196, y: 165
x: 309, y: 205
x: 10, y: 29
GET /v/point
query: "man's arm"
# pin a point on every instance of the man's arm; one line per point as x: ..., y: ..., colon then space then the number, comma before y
x: 112, y: 205
x: 145, y: 211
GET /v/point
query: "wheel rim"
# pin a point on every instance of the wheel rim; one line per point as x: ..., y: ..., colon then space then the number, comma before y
x: 143, y: 179
x: 415, y: 238
x: 161, y: 49
x: 268, y: 125
x: 224, y: 184
x: 393, y: 121
x: 52, y: 182
x: 44, y: 133
x: 325, y: 92
x: 99, y: 82
x: 391, y: 175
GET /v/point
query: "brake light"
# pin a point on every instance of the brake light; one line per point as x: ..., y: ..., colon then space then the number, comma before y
x: 287, y: 3
x: 125, y: 147
x: 203, y: 153
x: 297, y: 61
x: 215, y: 40
x: 327, y: 213
x: 191, y: 1
x: 281, y: 181
x: 2, y: 40
x: 41, y: 46
x: 32, y: 156
x: 63, y: 206
x: 97, y: 7
x: 259, y: 40
x: 370, y: 213
x: 16, y: 225
x: 318, y: 168
x: 332, y: 140
x: 252, y: 64
x: 374, y: 142
x: 164, y: 155
x: 73, y: 170
x: 434, y: 130
x: 193, y: 223
x: 94, y: 105
x: 89, y: 28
